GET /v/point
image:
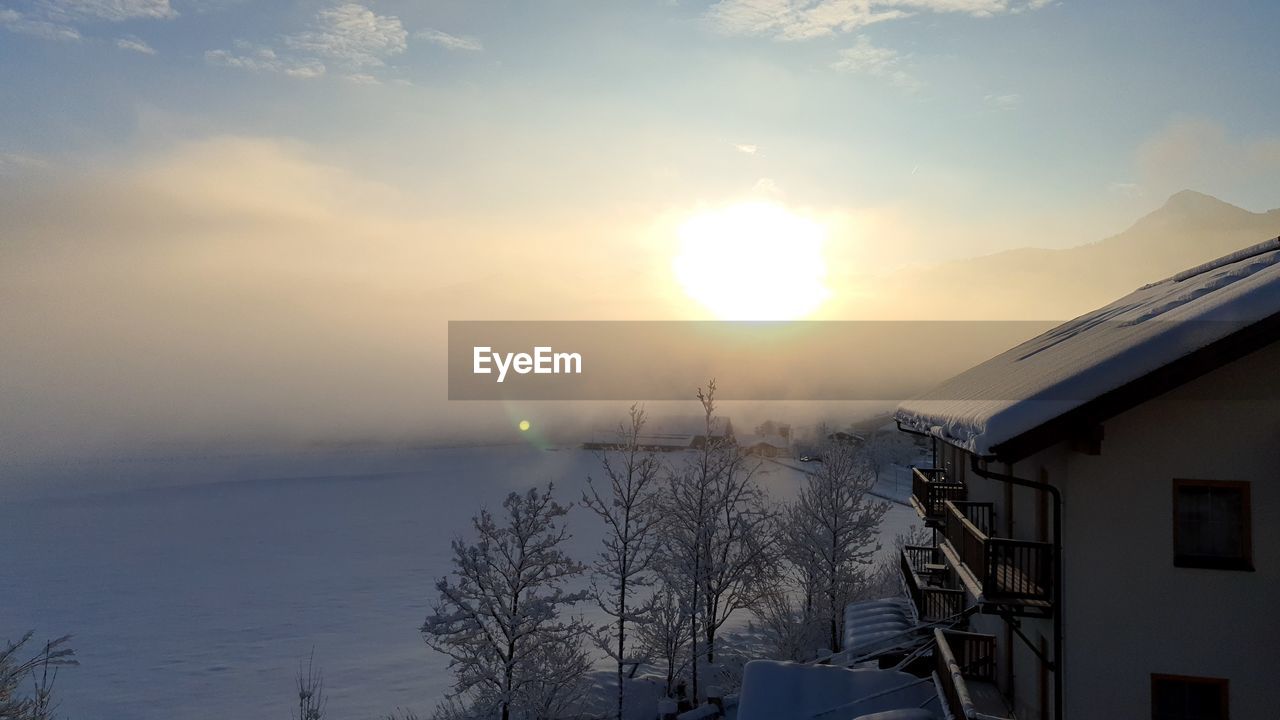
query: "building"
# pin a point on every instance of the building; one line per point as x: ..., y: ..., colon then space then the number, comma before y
x: 764, y: 445
x: 668, y: 433
x: 1105, y: 505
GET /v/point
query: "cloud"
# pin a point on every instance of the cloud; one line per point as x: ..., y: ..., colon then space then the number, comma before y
x: 56, y: 19
x: 111, y: 10
x: 791, y: 20
x: 450, y: 42
x: 1007, y: 101
x: 259, y: 59
x: 1125, y: 189
x: 748, y: 149
x: 14, y: 21
x: 351, y: 34
x: 12, y: 163
x: 135, y: 44
x: 865, y: 58
x: 767, y: 187
x: 1200, y: 153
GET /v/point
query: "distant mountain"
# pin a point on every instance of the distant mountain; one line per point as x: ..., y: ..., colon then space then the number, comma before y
x: 1035, y: 283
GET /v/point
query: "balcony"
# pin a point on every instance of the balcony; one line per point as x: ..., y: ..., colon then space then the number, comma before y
x: 996, y: 570
x: 930, y: 490
x: 965, y: 665
x: 925, y: 573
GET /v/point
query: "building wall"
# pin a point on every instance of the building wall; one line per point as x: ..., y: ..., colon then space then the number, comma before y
x: 1128, y: 611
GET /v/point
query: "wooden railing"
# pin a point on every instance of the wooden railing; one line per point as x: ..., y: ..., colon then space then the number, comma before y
x: 960, y: 657
x: 932, y: 489
x: 933, y: 602
x: 1007, y: 569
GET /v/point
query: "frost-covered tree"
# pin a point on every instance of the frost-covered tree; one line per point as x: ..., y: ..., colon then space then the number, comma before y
x: 626, y: 501
x: 499, y: 616
x: 37, y: 672
x: 715, y: 542
x: 665, y: 635
x: 831, y: 533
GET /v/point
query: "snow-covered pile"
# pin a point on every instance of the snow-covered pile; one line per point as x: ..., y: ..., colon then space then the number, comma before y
x: 1098, y: 352
x: 875, y: 625
x: 774, y: 690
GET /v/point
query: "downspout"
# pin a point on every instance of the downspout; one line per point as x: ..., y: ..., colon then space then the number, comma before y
x: 1053, y: 491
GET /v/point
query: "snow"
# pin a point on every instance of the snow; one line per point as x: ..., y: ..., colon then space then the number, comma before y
x: 1080, y: 360
x: 774, y: 690
x: 877, y: 625
x: 195, y: 596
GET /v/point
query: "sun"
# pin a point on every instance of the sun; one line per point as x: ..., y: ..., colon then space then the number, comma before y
x: 752, y: 261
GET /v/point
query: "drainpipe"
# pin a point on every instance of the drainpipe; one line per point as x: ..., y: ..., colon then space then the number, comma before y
x: 1053, y: 491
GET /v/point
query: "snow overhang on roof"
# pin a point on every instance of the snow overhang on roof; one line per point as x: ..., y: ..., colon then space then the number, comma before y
x: 1041, y: 380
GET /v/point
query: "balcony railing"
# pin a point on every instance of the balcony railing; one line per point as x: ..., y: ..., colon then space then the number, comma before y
x: 1006, y: 569
x: 924, y: 572
x: 962, y: 658
x: 930, y: 489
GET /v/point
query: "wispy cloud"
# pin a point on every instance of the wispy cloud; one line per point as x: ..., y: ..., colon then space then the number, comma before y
x: 1006, y: 101
x: 748, y: 149
x: 260, y: 59
x: 135, y: 44
x: 351, y: 34
x: 450, y: 42
x: 806, y: 19
x: 1125, y: 189
x: 112, y: 10
x: 14, y: 21
x: 866, y: 58
x: 15, y: 162
x: 57, y: 19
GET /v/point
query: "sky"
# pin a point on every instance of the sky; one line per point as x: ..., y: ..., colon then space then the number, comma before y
x: 231, y: 208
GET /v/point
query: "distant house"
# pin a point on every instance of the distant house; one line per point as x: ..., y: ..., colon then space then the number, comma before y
x: 764, y: 445
x: 667, y: 433
x: 851, y: 439
x: 1106, y: 506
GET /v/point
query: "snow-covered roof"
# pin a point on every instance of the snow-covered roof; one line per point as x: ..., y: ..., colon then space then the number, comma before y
x: 1081, y: 360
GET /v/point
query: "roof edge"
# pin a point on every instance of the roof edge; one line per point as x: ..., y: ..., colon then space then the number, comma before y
x: 1200, y: 362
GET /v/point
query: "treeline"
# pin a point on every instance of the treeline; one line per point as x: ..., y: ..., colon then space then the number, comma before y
x: 687, y: 547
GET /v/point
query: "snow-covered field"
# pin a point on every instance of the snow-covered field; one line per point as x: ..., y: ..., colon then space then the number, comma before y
x: 197, y: 599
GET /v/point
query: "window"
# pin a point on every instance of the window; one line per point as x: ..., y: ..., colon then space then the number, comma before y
x: 1176, y: 697
x: 1211, y: 525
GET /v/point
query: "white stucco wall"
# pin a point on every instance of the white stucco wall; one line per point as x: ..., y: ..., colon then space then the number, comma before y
x: 1128, y: 611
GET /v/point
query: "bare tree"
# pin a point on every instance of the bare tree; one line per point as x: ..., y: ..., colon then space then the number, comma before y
x: 833, y: 526
x: 311, y: 697
x: 628, y: 507
x: 715, y: 544
x: 41, y: 670
x: 500, y: 615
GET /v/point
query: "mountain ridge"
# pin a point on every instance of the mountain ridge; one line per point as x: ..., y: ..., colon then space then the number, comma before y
x: 1188, y: 229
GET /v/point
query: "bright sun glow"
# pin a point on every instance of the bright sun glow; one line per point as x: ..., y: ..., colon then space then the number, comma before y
x: 754, y: 261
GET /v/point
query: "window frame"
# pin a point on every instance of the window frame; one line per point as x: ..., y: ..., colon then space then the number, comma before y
x: 1244, y: 561
x: 1223, y: 683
